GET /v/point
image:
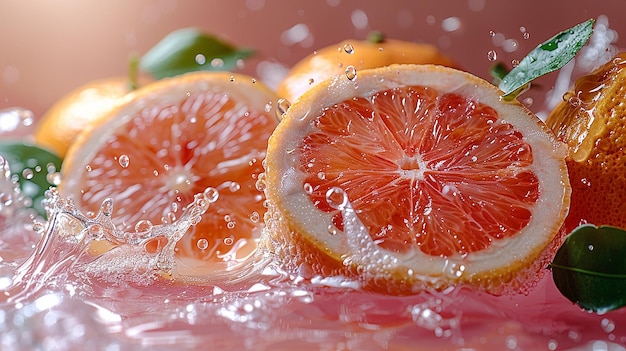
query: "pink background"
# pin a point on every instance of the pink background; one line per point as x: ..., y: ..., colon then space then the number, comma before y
x: 49, y: 47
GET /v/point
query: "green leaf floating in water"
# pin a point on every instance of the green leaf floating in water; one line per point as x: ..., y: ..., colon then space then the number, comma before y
x: 545, y: 58
x: 35, y: 168
x: 590, y: 269
x: 188, y: 50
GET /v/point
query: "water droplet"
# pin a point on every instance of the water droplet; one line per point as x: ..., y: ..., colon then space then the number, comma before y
x: 282, y: 105
x: 253, y: 81
x: 308, y: 188
x: 211, y: 194
x: 348, y: 48
x: 143, y: 226
x: 332, y: 230
x: 229, y: 241
x: 528, y: 101
x: 492, y: 33
x: 553, y: 345
x: 28, y: 173
x: 492, y: 55
x: 337, y: 198
x: 230, y: 225
x: 202, y: 244
x: 232, y: 78
x: 261, y: 185
x: 217, y: 62
x: 515, y: 63
x: 268, y: 107
x: 351, y: 72
x: 124, y: 160
x: 607, y: 325
x: 54, y: 178
x: 255, y: 217
x: 590, y: 247
x: 38, y: 227
x: 200, y: 59
x: 88, y: 168
x: 234, y: 186
x: 526, y: 35
x: 106, y: 208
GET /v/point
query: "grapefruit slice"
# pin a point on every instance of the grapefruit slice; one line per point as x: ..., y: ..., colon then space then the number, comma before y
x: 451, y: 184
x: 170, y: 140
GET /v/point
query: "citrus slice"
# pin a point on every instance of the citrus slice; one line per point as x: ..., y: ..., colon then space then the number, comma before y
x: 451, y: 184
x: 590, y: 121
x: 353, y: 55
x: 170, y: 140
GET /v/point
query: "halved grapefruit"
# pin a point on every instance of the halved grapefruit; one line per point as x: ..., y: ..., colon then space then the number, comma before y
x: 170, y: 140
x: 452, y: 185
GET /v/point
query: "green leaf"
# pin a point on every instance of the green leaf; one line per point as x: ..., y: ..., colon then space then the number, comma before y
x: 498, y: 71
x: 32, y: 165
x: 545, y: 58
x: 188, y: 50
x: 590, y: 269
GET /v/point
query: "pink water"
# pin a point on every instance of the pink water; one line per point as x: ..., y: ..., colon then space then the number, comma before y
x: 56, y: 296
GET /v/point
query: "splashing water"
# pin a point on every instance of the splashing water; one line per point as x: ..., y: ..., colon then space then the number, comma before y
x: 129, y: 295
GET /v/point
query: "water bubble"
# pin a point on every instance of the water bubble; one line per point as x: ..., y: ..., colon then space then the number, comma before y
x: 492, y: 33
x: 282, y: 105
x: 143, y: 226
x: 260, y: 184
x: 255, y: 217
x: 553, y: 345
x: 528, y: 101
x: 234, y: 186
x: 526, y: 35
x: 124, y: 160
x: 38, y: 227
x: 229, y: 241
x: 514, y: 63
x: 253, y: 81
x: 308, y: 188
x: 231, y: 79
x: 492, y: 55
x: 607, y: 325
x: 337, y: 198
x: 211, y: 194
x: 351, y: 72
x: 200, y: 59
x: 202, y: 244
x: 217, y: 62
x: 28, y: 173
x: 88, y: 168
x: 348, y: 48
x: 332, y: 230
x: 106, y: 208
x: 268, y: 107
x: 230, y: 225
x: 54, y: 178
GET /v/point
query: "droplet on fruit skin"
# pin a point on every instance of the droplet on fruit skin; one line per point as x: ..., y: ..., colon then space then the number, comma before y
x: 348, y: 48
x: 351, y: 72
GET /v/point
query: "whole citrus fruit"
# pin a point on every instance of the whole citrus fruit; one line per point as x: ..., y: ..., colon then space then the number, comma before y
x: 351, y: 56
x: 415, y: 176
x: 591, y: 120
x: 170, y: 140
x: 66, y: 118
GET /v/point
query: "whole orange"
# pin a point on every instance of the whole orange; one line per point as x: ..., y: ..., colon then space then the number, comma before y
x: 350, y: 56
x: 592, y: 121
x: 68, y: 116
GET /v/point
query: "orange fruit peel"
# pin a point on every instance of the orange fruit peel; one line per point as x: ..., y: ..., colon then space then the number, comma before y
x: 359, y: 54
x: 590, y: 121
x: 453, y: 185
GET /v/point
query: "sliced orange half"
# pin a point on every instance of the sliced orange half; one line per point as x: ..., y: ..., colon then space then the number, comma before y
x: 173, y: 139
x: 451, y: 184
